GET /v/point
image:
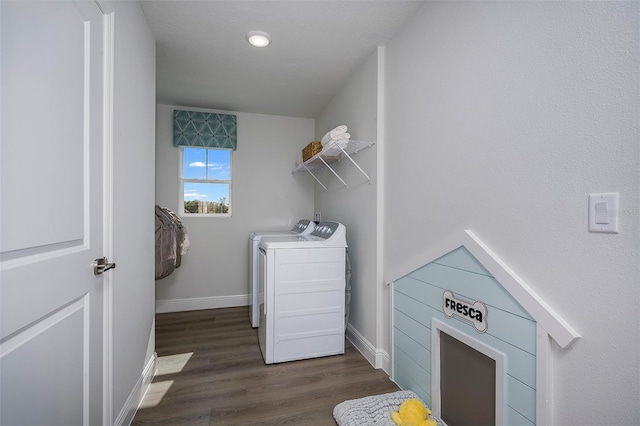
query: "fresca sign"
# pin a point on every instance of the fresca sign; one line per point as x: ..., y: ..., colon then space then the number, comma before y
x: 475, y: 313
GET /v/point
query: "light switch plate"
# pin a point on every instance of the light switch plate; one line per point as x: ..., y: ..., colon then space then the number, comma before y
x: 603, y: 212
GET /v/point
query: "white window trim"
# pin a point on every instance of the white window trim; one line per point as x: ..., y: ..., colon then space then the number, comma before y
x: 182, y: 181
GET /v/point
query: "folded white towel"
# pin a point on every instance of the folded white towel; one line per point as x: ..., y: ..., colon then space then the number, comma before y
x: 344, y: 136
x: 334, y: 134
x: 333, y: 147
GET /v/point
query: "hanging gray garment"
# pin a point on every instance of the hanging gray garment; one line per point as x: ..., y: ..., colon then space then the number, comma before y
x: 166, y: 246
x: 182, y: 237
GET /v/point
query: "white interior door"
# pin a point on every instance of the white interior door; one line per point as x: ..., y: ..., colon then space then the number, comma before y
x: 51, y: 177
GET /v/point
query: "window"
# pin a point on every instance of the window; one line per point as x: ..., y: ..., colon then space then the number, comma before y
x: 205, y: 177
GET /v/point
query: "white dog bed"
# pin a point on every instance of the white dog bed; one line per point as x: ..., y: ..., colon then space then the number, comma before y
x: 372, y: 410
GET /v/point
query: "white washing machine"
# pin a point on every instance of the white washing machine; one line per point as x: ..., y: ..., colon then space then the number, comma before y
x: 303, y: 227
x: 302, y: 294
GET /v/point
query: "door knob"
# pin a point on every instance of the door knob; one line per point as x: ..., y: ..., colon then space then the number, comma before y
x: 101, y: 265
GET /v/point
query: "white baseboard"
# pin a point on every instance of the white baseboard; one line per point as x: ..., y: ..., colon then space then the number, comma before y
x: 197, y: 303
x: 136, y: 396
x: 378, y: 358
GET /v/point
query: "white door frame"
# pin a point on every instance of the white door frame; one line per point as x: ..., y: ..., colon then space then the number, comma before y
x: 109, y: 43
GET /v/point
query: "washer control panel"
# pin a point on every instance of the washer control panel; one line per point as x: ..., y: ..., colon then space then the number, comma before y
x: 302, y: 226
x: 325, y: 229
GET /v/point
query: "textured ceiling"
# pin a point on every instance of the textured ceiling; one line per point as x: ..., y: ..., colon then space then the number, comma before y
x: 204, y: 60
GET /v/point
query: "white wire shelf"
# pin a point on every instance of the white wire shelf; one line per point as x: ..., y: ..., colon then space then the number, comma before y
x: 332, y: 153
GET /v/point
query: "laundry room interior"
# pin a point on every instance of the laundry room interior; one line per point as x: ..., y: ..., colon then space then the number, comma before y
x: 498, y: 118
x: 403, y: 185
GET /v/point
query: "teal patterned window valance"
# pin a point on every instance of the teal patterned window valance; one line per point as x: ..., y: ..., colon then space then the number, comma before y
x: 192, y: 128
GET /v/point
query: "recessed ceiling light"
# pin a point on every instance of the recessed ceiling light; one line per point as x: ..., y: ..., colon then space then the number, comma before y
x: 258, y: 38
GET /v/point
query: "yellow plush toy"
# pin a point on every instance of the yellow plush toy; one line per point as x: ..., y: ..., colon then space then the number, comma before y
x: 412, y: 412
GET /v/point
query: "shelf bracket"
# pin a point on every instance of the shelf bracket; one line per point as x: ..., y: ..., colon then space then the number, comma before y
x: 354, y: 163
x: 314, y: 176
x: 333, y: 171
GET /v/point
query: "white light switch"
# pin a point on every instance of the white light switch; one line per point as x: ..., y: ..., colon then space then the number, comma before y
x: 603, y: 212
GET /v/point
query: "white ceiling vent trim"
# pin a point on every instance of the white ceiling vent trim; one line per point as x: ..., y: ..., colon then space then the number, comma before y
x: 554, y: 325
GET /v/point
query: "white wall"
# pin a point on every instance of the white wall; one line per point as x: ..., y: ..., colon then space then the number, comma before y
x: 355, y: 205
x: 265, y: 196
x: 133, y: 171
x: 502, y: 117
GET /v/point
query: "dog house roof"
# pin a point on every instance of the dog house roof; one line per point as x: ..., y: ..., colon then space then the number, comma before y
x: 546, y: 317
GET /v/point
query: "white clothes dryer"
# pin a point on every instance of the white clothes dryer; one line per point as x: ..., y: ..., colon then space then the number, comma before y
x: 302, y: 294
x: 303, y: 227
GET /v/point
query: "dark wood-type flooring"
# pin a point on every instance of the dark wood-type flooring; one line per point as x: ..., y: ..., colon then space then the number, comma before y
x: 225, y: 380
